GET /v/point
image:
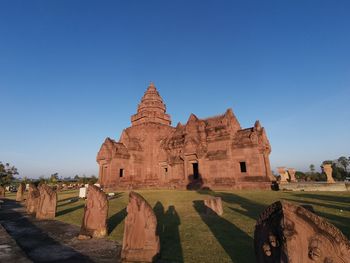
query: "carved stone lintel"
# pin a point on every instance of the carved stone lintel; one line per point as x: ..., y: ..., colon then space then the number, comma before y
x: 285, y: 232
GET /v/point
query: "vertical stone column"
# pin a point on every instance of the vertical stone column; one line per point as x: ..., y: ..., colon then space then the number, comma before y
x: 291, y: 172
x: 20, y: 192
x: 327, y: 169
x: 283, y: 173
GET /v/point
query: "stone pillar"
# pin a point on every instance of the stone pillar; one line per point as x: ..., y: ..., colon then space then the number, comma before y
x: 140, y: 240
x: 283, y: 173
x: 95, y: 214
x: 291, y: 172
x: 20, y: 192
x: 327, y: 169
x: 32, y: 199
x: 2, y: 191
x: 47, y: 203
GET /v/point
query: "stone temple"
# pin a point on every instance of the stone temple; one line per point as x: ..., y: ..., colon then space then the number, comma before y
x: 213, y: 153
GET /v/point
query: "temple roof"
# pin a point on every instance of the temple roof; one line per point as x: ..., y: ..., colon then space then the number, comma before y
x: 151, y: 108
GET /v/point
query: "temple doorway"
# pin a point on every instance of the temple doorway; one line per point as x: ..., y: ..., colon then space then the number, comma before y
x: 195, y: 171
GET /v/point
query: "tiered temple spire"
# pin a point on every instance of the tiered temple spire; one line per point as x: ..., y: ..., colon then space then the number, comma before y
x: 151, y: 109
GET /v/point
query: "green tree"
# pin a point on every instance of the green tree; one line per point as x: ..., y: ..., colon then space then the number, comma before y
x: 7, y: 173
x: 54, y: 178
x: 344, y: 162
x: 312, y: 168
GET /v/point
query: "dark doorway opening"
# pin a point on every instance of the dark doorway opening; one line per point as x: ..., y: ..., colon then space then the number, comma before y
x: 243, y: 167
x: 121, y: 172
x: 195, y: 171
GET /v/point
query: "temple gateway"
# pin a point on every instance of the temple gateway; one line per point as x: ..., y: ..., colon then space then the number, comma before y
x: 211, y: 153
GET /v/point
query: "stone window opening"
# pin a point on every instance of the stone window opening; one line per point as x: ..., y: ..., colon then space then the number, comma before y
x: 121, y: 172
x: 243, y: 167
x: 165, y: 171
x: 195, y: 171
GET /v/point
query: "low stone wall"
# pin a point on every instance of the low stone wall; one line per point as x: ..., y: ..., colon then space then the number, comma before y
x: 315, y: 186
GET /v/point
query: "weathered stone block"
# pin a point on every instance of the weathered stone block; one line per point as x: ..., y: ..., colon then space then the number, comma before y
x: 95, y: 214
x: 32, y: 199
x: 214, y: 205
x: 20, y: 192
x: 285, y: 232
x: 47, y: 203
x: 140, y: 241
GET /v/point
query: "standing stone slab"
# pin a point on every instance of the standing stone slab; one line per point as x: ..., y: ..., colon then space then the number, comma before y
x: 32, y: 199
x: 286, y: 233
x: 95, y: 214
x: 2, y: 191
x: 140, y: 241
x: 214, y: 204
x: 47, y: 203
x: 20, y: 192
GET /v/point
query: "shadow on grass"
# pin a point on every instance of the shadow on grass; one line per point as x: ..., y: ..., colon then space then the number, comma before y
x: 71, y: 201
x: 237, y: 244
x: 116, y: 219
x: 69, y: 210
x: 344, y: 207
x: 66, y: 199
x: 168, y: 231
x: 330, y: 198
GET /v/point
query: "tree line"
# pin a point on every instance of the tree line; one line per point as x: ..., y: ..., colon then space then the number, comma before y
x: 339, y: 171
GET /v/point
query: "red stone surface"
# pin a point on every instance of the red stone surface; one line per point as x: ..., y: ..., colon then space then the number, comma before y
x: 286, y: 233
x: 214, y: 205
x: 140, y: 240
x: 47, y: 203
x: 291, y: 172
x: 211, y: 152
x: 95, y: 214
x: 32, y: 199
x: 2, y: 191
x: 20, y: 192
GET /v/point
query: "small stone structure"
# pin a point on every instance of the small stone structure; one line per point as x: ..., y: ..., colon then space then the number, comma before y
x: 20, y: 192
x: 291, y: 172
x: 2, y: 191
x: 47, y: 203
x: 327, y: 169
x: 95, y: 214
x: 214, y: 205
x: 285, y: 232
x: 32, y: 199
x: 283, y: 174
x: 140, y: 241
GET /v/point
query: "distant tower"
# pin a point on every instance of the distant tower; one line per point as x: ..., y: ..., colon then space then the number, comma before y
x: 151, y: 109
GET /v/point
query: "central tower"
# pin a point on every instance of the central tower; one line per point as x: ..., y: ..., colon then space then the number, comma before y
x: 151, y: 109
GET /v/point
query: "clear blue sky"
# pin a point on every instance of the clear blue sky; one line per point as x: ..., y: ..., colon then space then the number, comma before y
x: 72, y: 73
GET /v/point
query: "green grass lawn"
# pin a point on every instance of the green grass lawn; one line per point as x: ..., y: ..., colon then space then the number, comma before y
x: 188, y: 235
